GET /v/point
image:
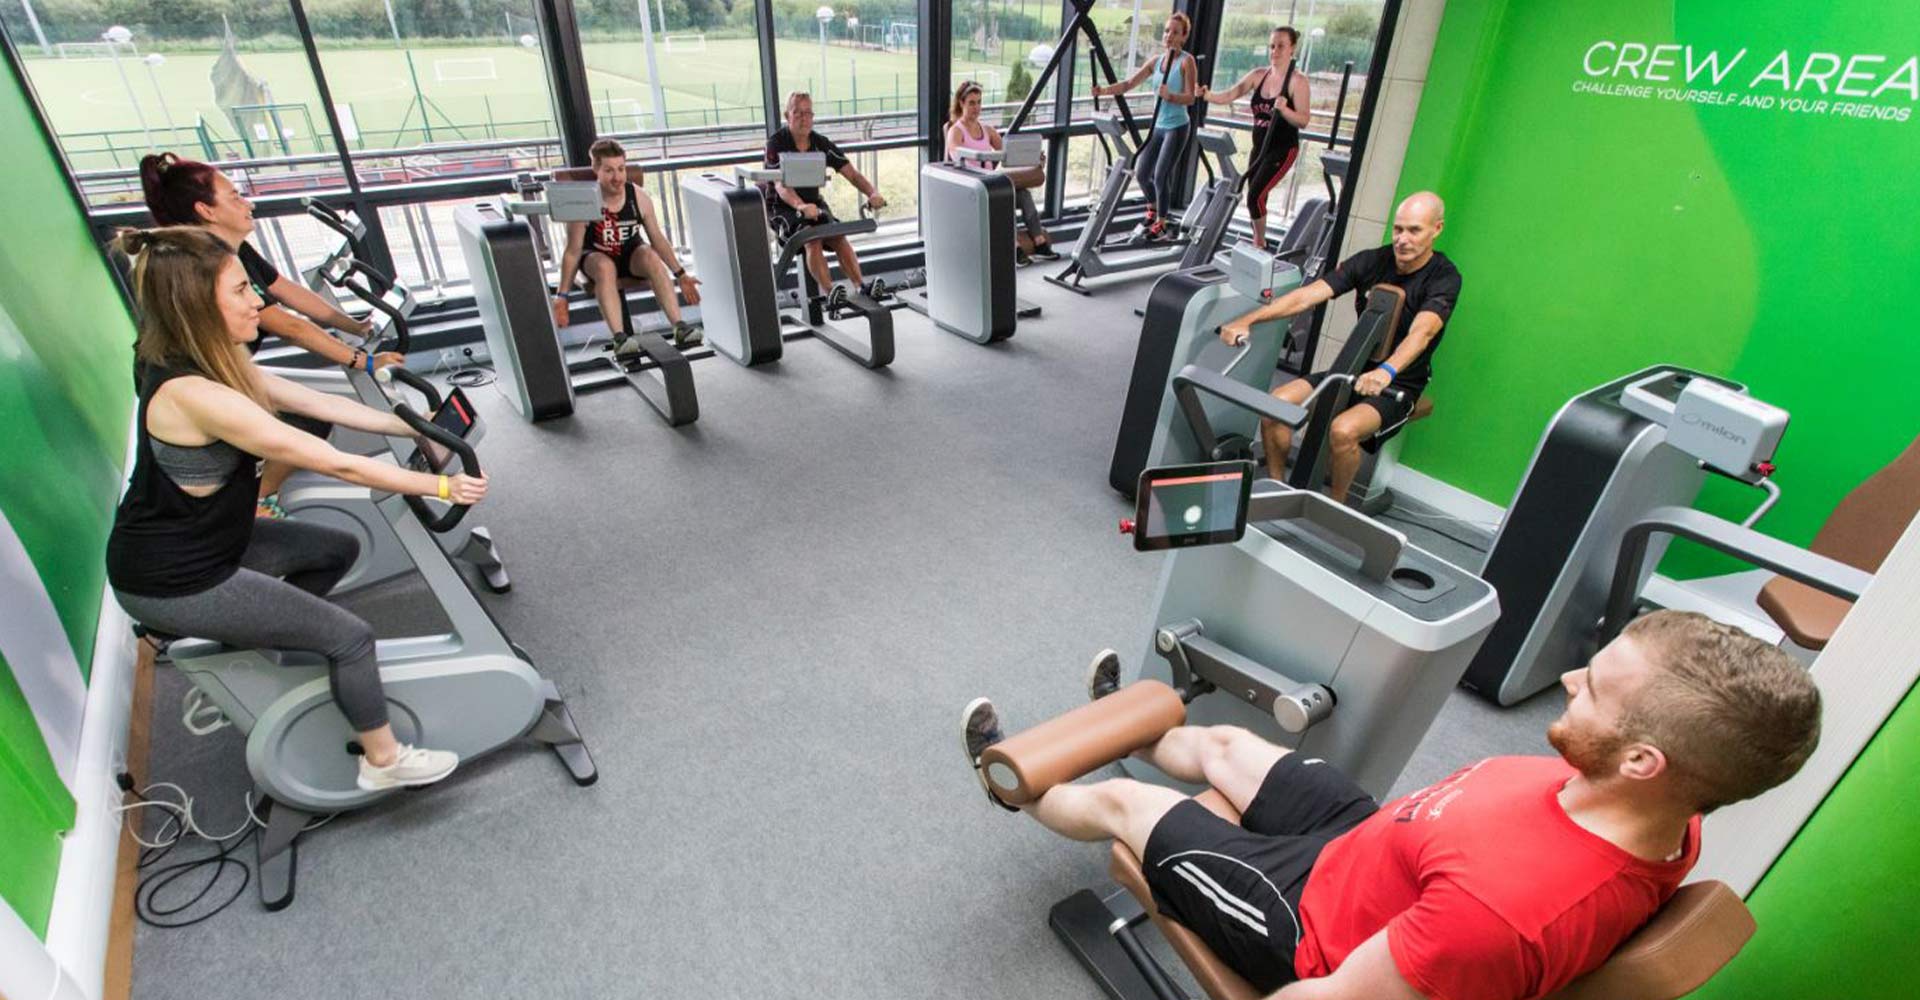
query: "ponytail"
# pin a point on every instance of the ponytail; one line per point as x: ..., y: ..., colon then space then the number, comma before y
x: 173, y: 186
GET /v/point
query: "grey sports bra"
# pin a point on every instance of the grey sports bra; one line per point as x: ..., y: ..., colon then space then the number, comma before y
x: 196, y: 466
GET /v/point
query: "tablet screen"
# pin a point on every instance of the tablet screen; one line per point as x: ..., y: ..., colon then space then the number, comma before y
x: 455, y: 416
x: 1184, y: 505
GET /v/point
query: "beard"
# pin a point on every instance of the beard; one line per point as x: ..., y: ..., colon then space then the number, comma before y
x: 1595, y: 754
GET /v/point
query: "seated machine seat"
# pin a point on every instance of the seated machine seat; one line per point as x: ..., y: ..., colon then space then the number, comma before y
x: 636, y: 177
x: 1699, y: 930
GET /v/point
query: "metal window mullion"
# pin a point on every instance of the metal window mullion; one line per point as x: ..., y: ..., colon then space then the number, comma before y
x: 376, y: 238
x: 769, y: 66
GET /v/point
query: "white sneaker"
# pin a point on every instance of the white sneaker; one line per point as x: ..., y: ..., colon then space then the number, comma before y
x: 413, y: 767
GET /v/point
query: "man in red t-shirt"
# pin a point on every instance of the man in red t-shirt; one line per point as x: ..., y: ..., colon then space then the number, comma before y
x: 1505, y: 881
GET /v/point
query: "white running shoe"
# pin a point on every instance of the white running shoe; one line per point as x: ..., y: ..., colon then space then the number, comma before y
x: 411, y: 768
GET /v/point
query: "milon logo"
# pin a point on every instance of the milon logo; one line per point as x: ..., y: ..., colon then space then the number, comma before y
x: 1710, y: 427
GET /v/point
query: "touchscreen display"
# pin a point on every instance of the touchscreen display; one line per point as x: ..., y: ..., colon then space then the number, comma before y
x: 1192, y: 505
x: 454, y: 416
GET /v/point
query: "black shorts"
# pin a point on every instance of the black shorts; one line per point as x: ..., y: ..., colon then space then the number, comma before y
x: 1238, y: 887
x: 623, y: 259
x: 786, y: 220
x: 1395, y: 404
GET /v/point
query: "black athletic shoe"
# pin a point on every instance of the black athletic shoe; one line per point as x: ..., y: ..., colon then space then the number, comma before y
x: 980, y: 729
x: 1103, y: 675
x: 1021, y: 258
x: 1045, y: 251
x: 837, y: 298
x: 876, y: 289
x: 685, y: 334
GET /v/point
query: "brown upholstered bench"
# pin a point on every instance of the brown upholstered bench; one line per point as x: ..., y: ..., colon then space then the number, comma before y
x: 1699, y: 930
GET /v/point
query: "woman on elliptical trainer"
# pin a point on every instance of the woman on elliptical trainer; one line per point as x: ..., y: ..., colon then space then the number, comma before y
x: 186, y: 555
x: 791, y: 209
x: 1281, y: 106
x: 965, y: 130
x: 1154, y: 165
x: 189, y: 193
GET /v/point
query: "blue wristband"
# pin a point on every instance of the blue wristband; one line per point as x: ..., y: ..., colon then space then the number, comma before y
x: 1392, y: 372
x: 369, y: 362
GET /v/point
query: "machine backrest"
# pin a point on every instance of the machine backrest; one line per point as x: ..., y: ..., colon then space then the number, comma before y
x: 1692, y: 937
x: 635, y: 174
x: 1860, y: 532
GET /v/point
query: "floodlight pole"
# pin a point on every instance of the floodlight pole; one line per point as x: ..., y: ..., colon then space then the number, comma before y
x: 115, y: 37
x: 419, y: 98
x: 653, y: 66
x: 38, y: 35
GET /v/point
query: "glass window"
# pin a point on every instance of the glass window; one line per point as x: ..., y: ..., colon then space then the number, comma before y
x: 1130, y: 32
x: 225, y: 83
x: 1003, y: 45
x: 430, y: 91
x: 858, y: 59
x: 689, y: 66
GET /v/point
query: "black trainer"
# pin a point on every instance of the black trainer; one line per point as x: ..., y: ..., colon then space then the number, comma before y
x: 837, y: 298
x: 980, y: 729
x: 1103, y: 675
x: 876, y: 289
x: 1045, y: 251
x: 685, y: 334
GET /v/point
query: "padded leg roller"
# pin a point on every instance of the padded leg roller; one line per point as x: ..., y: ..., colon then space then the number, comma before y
x: 1021, y: 768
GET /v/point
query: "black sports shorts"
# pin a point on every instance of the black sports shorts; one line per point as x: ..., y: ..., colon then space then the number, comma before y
x: 1238, y: 887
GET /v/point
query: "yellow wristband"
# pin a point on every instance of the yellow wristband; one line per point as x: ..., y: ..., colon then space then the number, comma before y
x: 446, y: 489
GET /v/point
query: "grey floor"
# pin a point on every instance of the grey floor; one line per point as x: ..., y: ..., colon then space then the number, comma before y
x: 766, y: 624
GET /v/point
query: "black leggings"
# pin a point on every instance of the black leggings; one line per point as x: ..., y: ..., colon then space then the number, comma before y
x: 1154, y: 166
x: 1267, y: 173
x: 274, y: 601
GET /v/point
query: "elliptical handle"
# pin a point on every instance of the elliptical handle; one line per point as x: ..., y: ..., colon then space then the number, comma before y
x: 469, y: 465
x: 402, y: 337
x: 416, y: 382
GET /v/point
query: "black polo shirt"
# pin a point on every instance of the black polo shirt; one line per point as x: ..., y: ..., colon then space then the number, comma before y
x: 1434, y: 288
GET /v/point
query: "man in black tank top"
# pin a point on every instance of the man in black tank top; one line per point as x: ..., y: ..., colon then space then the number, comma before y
x: 626, y: 244
x: 1385, y: 396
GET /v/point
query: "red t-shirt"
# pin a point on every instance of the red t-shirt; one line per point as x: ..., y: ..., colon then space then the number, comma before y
x: 1487, y: 889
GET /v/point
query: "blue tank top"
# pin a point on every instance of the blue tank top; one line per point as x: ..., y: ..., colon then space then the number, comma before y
x: 1171, y: 115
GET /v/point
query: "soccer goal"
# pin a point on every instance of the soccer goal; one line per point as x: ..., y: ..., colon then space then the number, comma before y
x: 619, y: 114
x: 686, y: 44
x: 873, y: 36
x: 94, y: 50
x: 465, y: 70
x: 903, y: 36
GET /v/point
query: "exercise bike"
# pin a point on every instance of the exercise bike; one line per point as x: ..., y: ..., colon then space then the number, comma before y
x: 470, y: 690
x: 342, y: 276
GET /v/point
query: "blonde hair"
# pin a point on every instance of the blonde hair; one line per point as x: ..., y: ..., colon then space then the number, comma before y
x: 1735, y: 716
x: 1185, y: 23
x: 176, y: 275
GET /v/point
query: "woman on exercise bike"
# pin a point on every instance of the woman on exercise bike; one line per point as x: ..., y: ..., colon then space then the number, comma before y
x: 1154, y: 165
x: 965, y: 130
x: 189, y: 193
x: 187, y: 556
x: 1281, y: 106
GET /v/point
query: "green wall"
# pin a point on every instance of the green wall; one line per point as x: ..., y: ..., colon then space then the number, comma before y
x: 65, y: 402
x: 1602, y: 233
x: 1835, y: 912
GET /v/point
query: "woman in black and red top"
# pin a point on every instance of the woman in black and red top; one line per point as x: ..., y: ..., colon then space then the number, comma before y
x: 1281, y: 106
x: 189, y: 193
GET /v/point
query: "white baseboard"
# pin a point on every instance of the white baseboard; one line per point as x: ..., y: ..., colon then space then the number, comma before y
x: 1446, y: 498
x: 78, y: 927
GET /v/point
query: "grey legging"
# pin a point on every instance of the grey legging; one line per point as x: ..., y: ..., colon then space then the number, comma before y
x: 274, y: 602
x: 1029, y: 215
x: 1154, y: 165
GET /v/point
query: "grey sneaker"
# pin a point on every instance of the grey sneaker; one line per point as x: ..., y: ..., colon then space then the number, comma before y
x: 1103, y: 675
x: 626, y: 347
x: 685, y: 334
x: 876, y: 289
x: 980, y: 729
x: 411, y: 768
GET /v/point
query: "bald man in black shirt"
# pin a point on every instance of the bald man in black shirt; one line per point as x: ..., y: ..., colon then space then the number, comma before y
x: 1385, y: 395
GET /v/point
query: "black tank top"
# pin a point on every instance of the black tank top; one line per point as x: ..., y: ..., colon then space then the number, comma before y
x: 1265, y: 117
x: 165, y: 541
x: 616, y: 230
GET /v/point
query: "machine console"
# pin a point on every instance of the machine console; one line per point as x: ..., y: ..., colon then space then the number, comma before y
x: 1719, y: 424
x: 1021, y: 149
x: 456, y: 416
x: 573, y: 201
x: 1257, y: 275
x: 1181, y: 505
